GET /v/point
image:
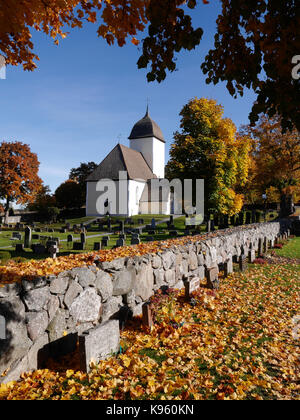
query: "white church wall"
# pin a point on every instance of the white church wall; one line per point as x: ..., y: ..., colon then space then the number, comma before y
x: 135, y: 191
x: 114, y: 203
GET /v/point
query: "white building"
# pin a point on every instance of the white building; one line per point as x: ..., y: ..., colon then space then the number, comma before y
x: 142, y: 162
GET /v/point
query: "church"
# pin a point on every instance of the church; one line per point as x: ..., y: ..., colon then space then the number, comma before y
x: 139, y: 165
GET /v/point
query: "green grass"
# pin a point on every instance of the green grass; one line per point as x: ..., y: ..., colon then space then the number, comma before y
x: 291, y: 250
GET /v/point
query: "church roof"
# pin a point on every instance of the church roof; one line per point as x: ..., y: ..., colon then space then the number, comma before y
x: 146, y: 127
x: 121, y: 158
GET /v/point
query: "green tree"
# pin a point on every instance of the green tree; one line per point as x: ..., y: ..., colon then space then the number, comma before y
x: 209, y: 147
x: 69, y: 195
x: 81, y: 174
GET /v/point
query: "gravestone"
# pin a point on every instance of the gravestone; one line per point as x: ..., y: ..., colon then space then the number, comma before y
x: 251, y: 255
x: 150, y: 238
x: 243, y: 265
x: 260, y: 248
x: 2, y: 328
x: 213, y: 278
x: 19, y: 248
x: 191, y: 285
x: 153, y: 223
x: 28, y: 237
x: 141, y: 221
x: 70, y: 238
x: 147, y: 315
x: 97, y: 246
x: 35, y: 237
x: 53, y: 251
x: 83, y: 238
x: 122, y: 236
x: 135, y: 241
x: 104, y: 243
x: 228, y: 267
x: 122, y: 226
x: 39, y: 249
x: 120, y: 242
x: 78, y: 246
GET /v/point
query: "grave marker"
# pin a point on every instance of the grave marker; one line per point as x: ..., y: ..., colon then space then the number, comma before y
x: 120, y: 243
x: 213, y: 278
x: 147, y: 315
x: 28, y: 237
x: 97, y: 246
x: 243, y: 265
x: 191, y: 285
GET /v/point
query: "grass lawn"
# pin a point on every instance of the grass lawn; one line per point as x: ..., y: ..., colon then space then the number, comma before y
x: 291, y: 250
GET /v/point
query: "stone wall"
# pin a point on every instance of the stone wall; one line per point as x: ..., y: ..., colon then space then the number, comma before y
x: 51, y: 310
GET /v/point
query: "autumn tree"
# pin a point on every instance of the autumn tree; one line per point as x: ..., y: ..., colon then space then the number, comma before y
x: 254, y: 45
x: 68, y: 195
x: 81, y: 174
x: 19, y: 180
x: 276, y: 156
x: 208, y: 147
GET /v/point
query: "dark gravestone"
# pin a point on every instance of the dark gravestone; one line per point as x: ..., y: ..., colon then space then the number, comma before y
x: 122, y: 236
x: 35, y: 237
x: 243, y: 264
x: 120, y: 243
x: 78, y: 246
x: 104, y: 243
x: 135, y: 241
x: 97, y: 246
x: 19, y: 248
x: 260, y: 248
x: 147, y: 315
x: 150, y: 238
x: 83, y: 238
x: 141, y: 221
x: 70, y: 238
x: 39, y: 249
x: 28, y: 237
x: 53, y: 250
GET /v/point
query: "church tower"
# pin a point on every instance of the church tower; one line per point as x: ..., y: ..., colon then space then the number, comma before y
x: 146, y: 137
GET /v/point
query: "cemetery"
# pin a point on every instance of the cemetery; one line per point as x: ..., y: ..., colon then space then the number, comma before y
x: 143, y: 259
x: 84, y: 302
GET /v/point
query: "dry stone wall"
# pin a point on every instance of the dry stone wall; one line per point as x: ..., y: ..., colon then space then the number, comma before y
x: 49, y: 310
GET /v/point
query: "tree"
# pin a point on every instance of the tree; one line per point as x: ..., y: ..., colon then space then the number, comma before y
x: 19, y: 180
x: 81, y: 174
x: 209, y: 147
x: 277, y: 161
x: 254, y: 45
x: 254, y: 48
x: 68, y: 195
x: 44, y: 203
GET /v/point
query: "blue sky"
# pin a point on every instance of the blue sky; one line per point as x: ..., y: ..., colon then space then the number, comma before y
x: 85, y: 96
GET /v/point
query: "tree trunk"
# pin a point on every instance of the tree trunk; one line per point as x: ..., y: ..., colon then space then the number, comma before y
x: 6, y: 211
x: 286, y: 205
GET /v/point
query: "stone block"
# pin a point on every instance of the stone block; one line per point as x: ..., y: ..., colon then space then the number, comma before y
x: 104, y: 285
x: 37, y: 299
x: 123, y: 281
x: 144, y: 282
x: 73, y: 292
x: 99, y: 344
x: 86, y: 307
